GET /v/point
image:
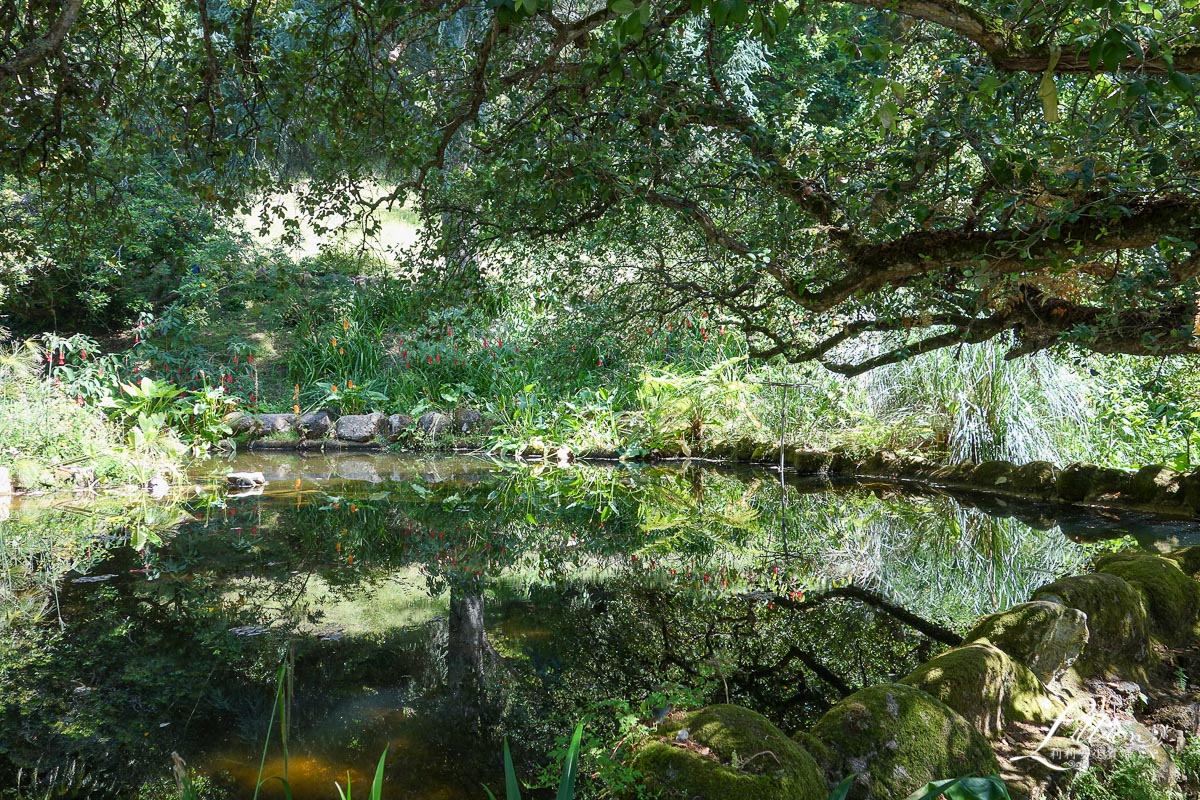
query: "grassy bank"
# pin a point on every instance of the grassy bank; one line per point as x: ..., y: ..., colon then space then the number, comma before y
x: 247, y: 327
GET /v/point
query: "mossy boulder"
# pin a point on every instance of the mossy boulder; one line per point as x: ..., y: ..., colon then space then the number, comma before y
x: 1045, y: 637
x: 986, y: 686
x: 882, y: 462
x: 30, y: 475
x: 844, y: 462
x: 1118, y: 624
x: 1075, y: 482
x: 898, y: 738
x: 1156, y: 485
x: 810, y: 462
x: 993, y: 475
x: 1188, y: 559
x: 1172, y: 597
x: 1109, y: 483
x: 1035, y: 479
x: 953, y: 474
x: 1188, y: 491
x: 731, y: 753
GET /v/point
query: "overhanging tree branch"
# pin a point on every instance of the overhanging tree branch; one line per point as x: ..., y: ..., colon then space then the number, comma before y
x: 43, y: 46
x: 1002, y: 41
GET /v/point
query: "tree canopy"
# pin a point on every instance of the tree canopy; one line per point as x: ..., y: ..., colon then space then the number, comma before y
x: 850, y: 181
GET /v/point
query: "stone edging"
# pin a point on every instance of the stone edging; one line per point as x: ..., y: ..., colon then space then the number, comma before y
x: 326, y: 429
x: 1155, y: 488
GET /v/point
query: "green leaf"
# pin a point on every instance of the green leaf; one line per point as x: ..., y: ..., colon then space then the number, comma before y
x: 1113, y: 54
x: 842, y: 790
x: 990, y: 788
x: 622, y: 7
x: 377, y: 784
x: 512, y: 789
x: 566, y: 786
x: 782, y: 15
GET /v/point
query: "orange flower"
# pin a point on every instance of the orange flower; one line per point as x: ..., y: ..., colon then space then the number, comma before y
x: 296, y: 408
x: 334, y: 341
x: 333, y: 388
x: 341, y: 351
x: 345, y: 324
x: 350, y: 384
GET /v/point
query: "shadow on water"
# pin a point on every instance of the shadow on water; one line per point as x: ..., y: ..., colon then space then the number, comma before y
x: 431, y: 606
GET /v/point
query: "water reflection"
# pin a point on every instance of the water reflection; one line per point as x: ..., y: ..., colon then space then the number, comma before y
x: 430, y: 606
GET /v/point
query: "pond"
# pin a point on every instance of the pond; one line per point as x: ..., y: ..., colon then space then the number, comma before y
x: 430, y: 607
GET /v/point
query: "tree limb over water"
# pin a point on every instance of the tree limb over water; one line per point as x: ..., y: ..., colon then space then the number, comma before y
x: 814, y: 599
x: 848, y: 181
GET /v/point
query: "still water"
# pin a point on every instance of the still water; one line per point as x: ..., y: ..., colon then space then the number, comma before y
x: 430, y: 607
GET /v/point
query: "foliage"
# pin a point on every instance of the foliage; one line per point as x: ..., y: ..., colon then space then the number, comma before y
x: 50, y: 428
x: 980, y: 406
x: 992, y: 788
x: 566, y: 784
x: 95, y: 260
x: 1131, y: 777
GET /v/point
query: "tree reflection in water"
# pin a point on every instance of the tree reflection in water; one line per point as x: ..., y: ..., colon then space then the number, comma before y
x: 437, y: 605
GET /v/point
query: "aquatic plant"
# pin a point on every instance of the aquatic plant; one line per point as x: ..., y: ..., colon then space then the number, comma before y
x: 566, y: 784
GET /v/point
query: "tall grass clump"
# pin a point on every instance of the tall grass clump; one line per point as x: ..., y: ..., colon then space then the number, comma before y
x: 983, y: 406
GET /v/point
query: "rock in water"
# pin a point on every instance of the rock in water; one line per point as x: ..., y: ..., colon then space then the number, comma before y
x: 245, y: 480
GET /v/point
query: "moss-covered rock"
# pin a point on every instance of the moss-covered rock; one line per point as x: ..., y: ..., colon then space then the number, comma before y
x: 993, y: 475
x: 954, y: 474
x: 898, y: 738
x: 843, y: 463
x: 986, y: 686
x: 1045, y: 637
x: 31, y: 475
x: 1109, y: 483
x: 1154, y: 484
x: 731, y: 753
x: 1173, y: 598
x: 882, y: 462
x: 1188, y: 491
x: 1118, y: 624
x: 1188, y: 559
x: 1075, y: 482
x: 810, y: 462
x: 1035, y: 479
